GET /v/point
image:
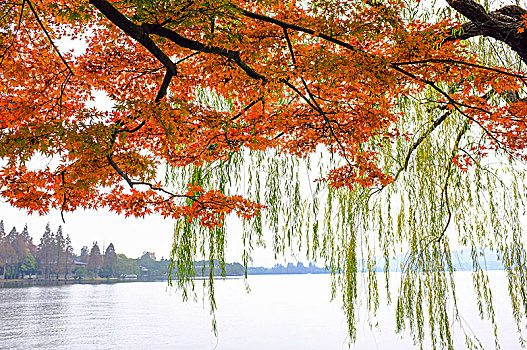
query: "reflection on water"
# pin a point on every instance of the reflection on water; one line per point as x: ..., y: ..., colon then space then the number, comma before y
x: 281, y: 312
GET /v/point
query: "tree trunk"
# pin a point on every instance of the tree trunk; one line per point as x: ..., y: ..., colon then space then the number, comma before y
x: 505, y: 24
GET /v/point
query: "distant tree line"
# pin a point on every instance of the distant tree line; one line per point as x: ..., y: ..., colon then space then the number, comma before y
x: 54, y: 258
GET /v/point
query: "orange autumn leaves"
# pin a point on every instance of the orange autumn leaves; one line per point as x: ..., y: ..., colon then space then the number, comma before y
x: 208, y: 207
x: 248, y: 75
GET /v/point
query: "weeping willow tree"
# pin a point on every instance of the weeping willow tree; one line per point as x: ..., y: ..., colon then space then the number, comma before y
x: 445, y: 193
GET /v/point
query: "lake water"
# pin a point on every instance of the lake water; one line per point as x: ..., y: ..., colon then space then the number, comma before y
x: 280, y: 312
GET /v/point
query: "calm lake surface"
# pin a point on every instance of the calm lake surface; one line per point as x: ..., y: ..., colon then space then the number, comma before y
x: 280, y: 312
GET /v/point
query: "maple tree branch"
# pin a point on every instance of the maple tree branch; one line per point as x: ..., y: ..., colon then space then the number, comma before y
x: 159, y: 30
x: 208, y: 145
x: 134, y: 31
x: 137, y: 33
x: 286, y: 25
x: 187, y: 57
x: 19, y: 22
x: 160, y: 95
x: 316, y: 107
x: 152, y: 187
x: 289, y: 45
x: 454, y: 104
x: 436, y: 60
x: 246, y: 108
x: 205, y: 48
x: 162, y: 92
x: 315, y: 103
x: 47, y: 34
x: 433, y: 85
x: 131, y: 131
x: 127, y: 26
x: 328, y: 122
x: 161, y: 189
x: 119, y: 171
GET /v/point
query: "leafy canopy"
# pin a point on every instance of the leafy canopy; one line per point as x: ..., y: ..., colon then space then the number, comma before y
x: 350, y: 129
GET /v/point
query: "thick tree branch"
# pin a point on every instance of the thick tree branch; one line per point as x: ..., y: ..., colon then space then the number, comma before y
x: 134, y: 31
x: 502, y: 25
x: 197, y: 46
